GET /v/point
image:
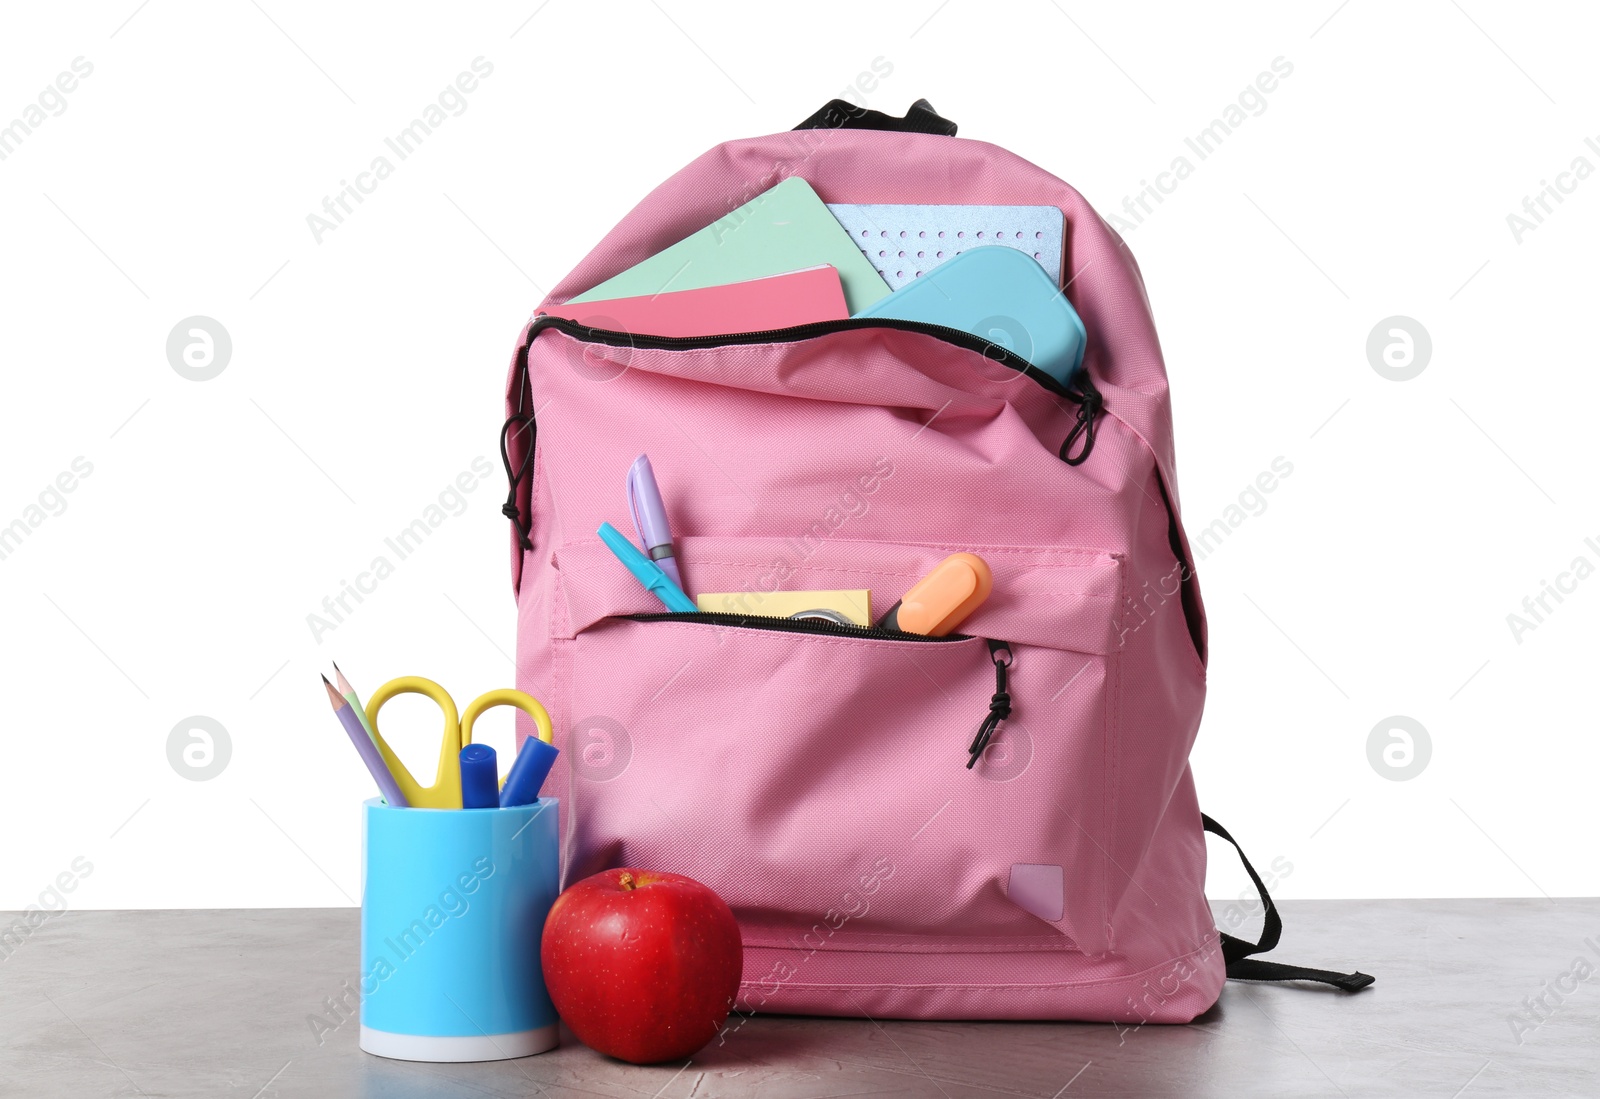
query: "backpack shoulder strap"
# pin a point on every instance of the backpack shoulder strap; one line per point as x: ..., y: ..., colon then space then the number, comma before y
x: 1237, y: 952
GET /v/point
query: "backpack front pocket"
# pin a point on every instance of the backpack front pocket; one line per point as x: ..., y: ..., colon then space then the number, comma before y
x: 819, y: 779
x: 817, y: 776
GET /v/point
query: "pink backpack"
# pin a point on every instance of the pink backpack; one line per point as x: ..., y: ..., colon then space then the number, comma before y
x: 999, y: 824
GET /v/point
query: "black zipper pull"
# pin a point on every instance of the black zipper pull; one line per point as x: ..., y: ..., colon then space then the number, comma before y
x: 999, y: 705
x: 1088, y: 408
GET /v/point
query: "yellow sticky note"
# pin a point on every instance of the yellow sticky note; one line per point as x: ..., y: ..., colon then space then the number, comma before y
x: 854, y: 605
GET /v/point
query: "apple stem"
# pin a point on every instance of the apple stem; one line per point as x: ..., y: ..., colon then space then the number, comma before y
x: 625, y: 880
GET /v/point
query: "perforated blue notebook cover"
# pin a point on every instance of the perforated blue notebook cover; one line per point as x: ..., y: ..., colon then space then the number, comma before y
x: 904, y: 241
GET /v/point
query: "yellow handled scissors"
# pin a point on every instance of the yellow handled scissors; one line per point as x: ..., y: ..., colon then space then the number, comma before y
x: 445, y: 793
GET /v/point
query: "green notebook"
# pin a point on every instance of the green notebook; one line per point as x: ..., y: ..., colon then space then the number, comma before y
x: 786, y: 228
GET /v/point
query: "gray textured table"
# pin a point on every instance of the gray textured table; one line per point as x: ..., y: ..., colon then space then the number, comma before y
x: 218, y: 1003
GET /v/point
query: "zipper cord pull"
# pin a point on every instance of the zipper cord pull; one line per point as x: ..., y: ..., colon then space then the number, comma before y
x: 512, y: 508
x: 1083, y: 427
x: 999, y: 704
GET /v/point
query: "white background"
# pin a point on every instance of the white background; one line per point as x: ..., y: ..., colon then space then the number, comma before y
x: 367, y: 372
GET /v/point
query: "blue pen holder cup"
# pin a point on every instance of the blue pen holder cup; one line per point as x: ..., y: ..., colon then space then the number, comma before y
x: 453, y: 904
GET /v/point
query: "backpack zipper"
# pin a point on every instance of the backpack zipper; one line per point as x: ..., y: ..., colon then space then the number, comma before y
x: 789, y: 625
x: 1080, y: 391
x: 999, y: 654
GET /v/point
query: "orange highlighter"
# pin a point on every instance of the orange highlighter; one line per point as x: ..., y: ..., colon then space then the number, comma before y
x: 939, y: 602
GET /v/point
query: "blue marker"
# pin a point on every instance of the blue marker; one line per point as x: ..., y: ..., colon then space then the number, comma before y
x: 480, y: 777
x: 533, y: 763
x: 645, y: 570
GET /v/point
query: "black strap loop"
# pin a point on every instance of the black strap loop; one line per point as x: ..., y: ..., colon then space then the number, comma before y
x: 1236, y: 952
x: 841, y: 114
x: 1254, y: 969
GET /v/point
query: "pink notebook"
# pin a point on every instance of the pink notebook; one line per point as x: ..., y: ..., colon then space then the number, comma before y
x: 777, y: 301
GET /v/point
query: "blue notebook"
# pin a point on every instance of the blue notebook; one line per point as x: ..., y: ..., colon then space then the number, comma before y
x: 1002, y: 295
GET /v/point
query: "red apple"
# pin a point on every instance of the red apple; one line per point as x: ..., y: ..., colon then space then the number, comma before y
x: 642, y: 965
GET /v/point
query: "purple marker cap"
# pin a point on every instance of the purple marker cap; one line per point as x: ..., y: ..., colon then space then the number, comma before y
x: 650, y: 517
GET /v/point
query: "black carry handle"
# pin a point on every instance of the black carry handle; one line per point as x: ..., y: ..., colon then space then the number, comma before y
x: 841, y: 114
x: 1236, y: 952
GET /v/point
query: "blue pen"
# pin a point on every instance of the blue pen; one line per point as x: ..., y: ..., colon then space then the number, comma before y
x: 645, y: 570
